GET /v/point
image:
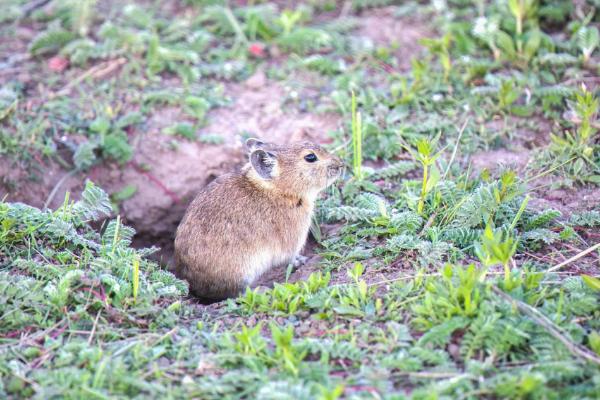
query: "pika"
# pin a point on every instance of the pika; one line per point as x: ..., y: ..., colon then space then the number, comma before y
x: 245, y: 223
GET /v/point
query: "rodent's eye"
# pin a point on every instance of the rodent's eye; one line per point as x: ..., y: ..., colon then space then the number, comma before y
x: 312, y: 157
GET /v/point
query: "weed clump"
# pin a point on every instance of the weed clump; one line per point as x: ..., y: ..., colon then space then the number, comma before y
x: 55, y: 266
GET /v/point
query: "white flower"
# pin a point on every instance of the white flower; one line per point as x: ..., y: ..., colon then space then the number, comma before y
x: 439, y: 5
x: 484, y: 27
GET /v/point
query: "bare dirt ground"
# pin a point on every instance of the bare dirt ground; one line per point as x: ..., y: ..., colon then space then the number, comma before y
x: 402, y: 34
x: 566, y: 200
x: 494, y: 159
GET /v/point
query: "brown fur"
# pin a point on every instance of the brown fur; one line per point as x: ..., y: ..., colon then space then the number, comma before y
x: 243, y: 224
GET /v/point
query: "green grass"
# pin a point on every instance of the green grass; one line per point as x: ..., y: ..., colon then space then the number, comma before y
x: 438, y: 279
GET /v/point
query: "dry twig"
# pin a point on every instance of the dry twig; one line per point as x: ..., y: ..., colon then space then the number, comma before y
x: 550, y: 327
x: 575, y: 258
x: 97, y: 71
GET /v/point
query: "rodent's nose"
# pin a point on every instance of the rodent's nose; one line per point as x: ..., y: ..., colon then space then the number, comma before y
x: 338, y: 162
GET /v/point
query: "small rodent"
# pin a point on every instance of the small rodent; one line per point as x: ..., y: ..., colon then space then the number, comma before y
x: 244, y: 223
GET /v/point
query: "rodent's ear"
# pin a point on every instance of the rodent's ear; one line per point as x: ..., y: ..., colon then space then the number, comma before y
x: 253, y: 144
x: 264, y: 163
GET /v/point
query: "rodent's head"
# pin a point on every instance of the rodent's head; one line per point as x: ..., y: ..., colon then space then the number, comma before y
x: 301, y: 169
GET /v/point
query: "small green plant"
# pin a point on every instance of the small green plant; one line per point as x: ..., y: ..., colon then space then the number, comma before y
x: 576, y: 153
x: 73, y: 20
x: 356, y: 140
x: 287, y: 354
x: 197, y: 107
x: 587, y: 110
x: 588, y: 40
x: 354, y: 298
x: 507, y: 94
x: 249, y: 341
x: 289, y: 19
x: 107, y: 136
x: 519, y: 46
x: 135, y: 279
x: 285, y: 298
x: 431, y: 175
x: 441, y: 48
x: 521, y: 10
x: 405, y: 90
x: 458, y: 293
x: 497, y: 247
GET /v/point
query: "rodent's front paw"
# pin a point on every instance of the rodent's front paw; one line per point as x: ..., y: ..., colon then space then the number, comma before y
x: 299, y: 260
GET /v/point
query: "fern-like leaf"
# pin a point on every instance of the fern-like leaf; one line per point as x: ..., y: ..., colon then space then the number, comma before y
x: 50, y: 41
x: 398, y: 243
x: 558, y: 59
x: 407, y: 221
x: 305, y: 39
x: 461, y: 237
x: 118, y: 233
x: 542, y: 219
x: 350, y: 214
x: 393, y: 170
x: 439, y: 334
x: 586, y: 218
x: 560, y: 91
x: 588, y: 39
x: 370, y: 201
x: 93, y: 204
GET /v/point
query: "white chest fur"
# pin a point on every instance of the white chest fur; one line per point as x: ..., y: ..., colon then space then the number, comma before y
x: 279, y: 252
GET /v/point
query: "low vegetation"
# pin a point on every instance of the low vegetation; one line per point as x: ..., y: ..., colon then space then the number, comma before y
x: 439, y: 276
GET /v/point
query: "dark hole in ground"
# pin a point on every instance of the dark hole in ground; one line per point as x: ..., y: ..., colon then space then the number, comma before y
x: 163, y: 235
x: 165, y: 255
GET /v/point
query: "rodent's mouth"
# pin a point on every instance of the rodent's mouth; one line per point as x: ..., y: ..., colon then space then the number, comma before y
x: 334, y: 171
